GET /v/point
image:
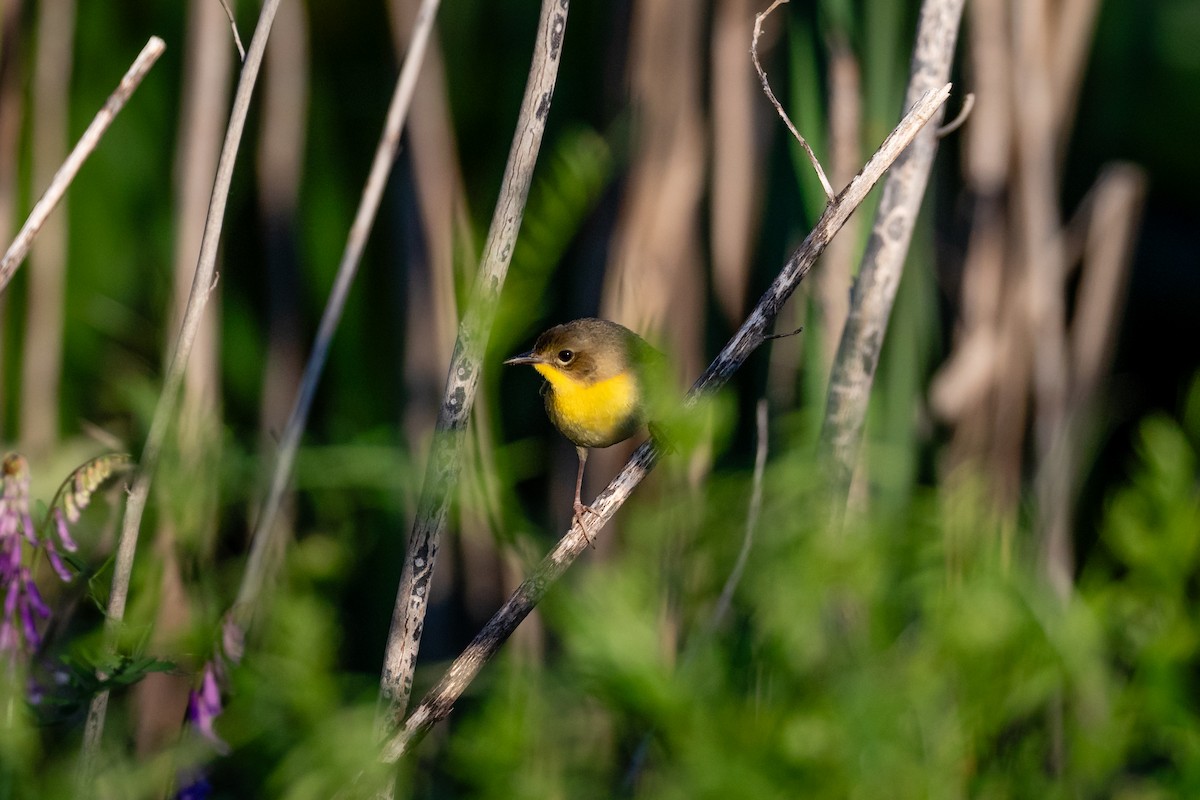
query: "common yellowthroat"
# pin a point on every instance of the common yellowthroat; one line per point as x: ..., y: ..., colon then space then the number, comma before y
x: 603, y: 383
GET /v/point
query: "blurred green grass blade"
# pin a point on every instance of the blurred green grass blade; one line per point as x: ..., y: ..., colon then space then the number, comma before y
x: 807, y: 111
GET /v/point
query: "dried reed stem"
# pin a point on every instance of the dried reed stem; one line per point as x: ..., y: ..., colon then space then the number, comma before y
x: 654, y: 281
x: 836, y: 274
x: 237, y: 39
x: 1116, y: 210
x: 160, y: 698
x: 445, y: 459
x: 738, y: 153
x: 83, y: 148
x: 879, y: 276
x: 202, y: 285
x: 12, y: 100
x: 45, y: 293
x: 280, y: 172
x: 263, y: 544
x: 752, y: 514
x: 960, y: 118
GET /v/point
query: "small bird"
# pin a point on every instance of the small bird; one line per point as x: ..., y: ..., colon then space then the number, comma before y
x: 601, y: 383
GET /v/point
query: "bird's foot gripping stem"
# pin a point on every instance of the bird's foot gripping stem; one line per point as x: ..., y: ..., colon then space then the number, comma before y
x: 580, y: 510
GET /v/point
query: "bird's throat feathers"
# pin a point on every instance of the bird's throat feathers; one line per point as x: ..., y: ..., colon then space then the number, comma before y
x: 592, y: 413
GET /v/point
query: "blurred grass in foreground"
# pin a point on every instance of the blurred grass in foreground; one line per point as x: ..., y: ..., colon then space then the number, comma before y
x: 873, y: 663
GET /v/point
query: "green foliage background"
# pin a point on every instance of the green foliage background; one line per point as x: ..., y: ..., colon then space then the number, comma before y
x: 917, y: 654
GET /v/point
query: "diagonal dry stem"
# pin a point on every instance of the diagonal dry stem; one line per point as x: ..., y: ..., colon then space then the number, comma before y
x: 725, y: 600
x: 202, y: 286
x: 87, y: 143
x: 237, y: 39
x: 960, y: 118
x: 263, y: 542
x: 445, y: 458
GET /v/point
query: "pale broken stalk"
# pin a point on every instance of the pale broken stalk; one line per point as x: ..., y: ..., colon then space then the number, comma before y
x: 202, y: 285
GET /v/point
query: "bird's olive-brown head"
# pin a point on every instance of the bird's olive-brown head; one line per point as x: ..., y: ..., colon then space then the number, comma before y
x: 585, y: 350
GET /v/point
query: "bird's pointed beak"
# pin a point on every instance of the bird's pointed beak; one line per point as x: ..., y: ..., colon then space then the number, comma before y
x: 523, y: 358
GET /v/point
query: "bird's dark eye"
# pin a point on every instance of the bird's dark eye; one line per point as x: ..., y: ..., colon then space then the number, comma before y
x: 565, y: 356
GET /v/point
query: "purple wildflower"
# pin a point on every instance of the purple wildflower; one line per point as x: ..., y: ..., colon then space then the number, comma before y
x: 64, y: 535
x: 204, y: 706
x: 65, y: 540
x: 23, y: 604
x: 198, y: 789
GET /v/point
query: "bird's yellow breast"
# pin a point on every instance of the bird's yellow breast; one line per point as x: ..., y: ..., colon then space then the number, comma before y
x: 592, y: 414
